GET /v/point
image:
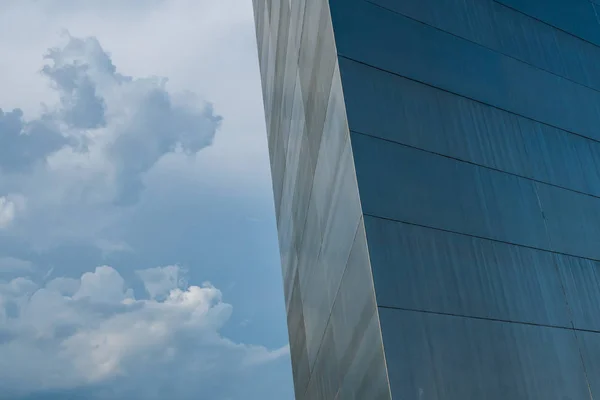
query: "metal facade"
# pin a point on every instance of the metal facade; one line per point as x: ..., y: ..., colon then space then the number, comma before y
x: 335, y: 338
x: 436, y: 169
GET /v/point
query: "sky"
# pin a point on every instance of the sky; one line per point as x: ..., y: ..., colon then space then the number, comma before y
x: 138, y: 247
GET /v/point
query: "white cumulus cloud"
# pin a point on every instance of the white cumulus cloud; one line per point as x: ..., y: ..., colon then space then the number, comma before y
x: 93, y: 332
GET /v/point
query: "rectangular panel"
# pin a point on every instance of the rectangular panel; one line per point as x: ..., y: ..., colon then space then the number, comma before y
x: 288, y: 227
x: 278, y: 161
x: 302, y: 189
x: 573, y: 221
x: 297, y: 334
x: 268, y: 60
x: 312, y: 278
x: 287, y: 75
x: 408, y: 112
x: 581, y: 279
x: 333, y: 149
x: 438, y: 357
x: 317, y: 63
x: 409, y: 185
x: 366, y: 376
x: 510, y: 32
x: 327, y: 251
x: 332, y: 220
x: 280, y: 23
x: 341, y: 227
x: 590, y: 352
x: 354, y: 340
x: 425, y: 269
x: 389, y: 41
x: 578, y: 17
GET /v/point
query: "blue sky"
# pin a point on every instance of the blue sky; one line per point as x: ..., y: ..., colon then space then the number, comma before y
x: 138, y: 250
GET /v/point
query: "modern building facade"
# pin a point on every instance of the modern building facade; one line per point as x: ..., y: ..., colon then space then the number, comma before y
x: 436, y: 174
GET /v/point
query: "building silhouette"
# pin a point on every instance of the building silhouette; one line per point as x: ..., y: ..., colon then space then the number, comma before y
x: 436, y: 174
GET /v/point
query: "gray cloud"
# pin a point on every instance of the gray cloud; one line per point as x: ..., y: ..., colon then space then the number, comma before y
x: 74, y: 70
x: 82, y: 108
x: 122, y: 125
x: 156, y: 126
x: 145, y: 120
x: 23, y: 144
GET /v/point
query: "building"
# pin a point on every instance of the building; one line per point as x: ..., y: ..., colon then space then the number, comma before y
x: 436, y: 173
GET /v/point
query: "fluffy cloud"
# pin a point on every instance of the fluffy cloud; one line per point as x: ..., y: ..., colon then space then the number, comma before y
x: 125, y: 125
x: 86, y: 156
x: 93, y: 332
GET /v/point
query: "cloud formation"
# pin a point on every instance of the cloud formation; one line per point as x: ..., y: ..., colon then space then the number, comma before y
x: 104, y: 116
x: 86, y: 156
x: 22, y: 144
x: 131, y: 122
x: 98, y: 333
x: 108, y: 172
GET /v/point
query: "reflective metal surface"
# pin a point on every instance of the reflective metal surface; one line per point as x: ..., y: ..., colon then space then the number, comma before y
x: 335, y: 336
x: 436, y: 172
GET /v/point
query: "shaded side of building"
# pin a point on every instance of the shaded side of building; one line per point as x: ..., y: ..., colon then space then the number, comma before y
x: 475, y: 129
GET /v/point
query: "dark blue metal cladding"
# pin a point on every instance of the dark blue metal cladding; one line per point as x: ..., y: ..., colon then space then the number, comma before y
x: 440, y: 357
x: 511, y: 32
x: 475, y: 131
x: 578, y: 17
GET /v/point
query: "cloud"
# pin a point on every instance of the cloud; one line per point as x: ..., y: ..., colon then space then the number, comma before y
x: 113, y: 191
x: 74, y: 71
x: 87, y: 155
x: 160, y: 281
x: 22, y: 144
x: 93, y: 332
x: 123, y: 124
